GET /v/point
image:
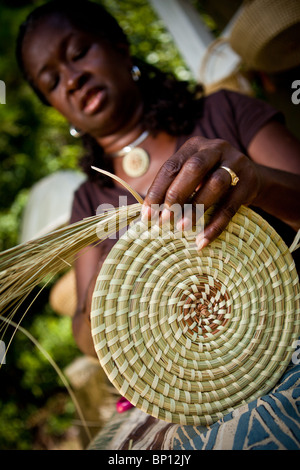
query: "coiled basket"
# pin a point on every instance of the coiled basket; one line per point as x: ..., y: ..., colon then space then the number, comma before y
x: 187, y: 337
x: 266, y: 35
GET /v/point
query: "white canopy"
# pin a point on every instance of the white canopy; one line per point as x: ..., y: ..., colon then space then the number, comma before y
x: 50, y: 203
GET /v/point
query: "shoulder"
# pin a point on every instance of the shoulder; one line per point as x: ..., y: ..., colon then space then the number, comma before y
x: 223, y: 96
x: 86, y: 200
x: 238, y: 114
x: 91, y: 199
x: 233, y: 102
x: 87, y: 192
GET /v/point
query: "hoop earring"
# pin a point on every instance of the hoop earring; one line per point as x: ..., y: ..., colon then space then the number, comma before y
x: 75, y: 132
x: 135, y: 73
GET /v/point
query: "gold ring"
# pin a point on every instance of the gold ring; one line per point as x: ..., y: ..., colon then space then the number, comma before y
x: 234, y: 178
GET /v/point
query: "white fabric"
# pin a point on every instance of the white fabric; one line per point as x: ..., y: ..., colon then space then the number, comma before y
x: 49, y: 204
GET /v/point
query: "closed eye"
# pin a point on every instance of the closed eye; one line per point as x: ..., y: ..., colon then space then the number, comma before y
x: 77, y: 55
x: 53, y: 81
x: 49, y: 81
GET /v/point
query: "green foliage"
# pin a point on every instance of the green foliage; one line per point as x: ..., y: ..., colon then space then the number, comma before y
x: 33, y: 401
x: 34, y: 142
x: 34, y: 139
x: 148, y: 37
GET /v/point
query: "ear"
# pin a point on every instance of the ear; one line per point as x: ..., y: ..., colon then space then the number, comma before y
x: 123, y: 48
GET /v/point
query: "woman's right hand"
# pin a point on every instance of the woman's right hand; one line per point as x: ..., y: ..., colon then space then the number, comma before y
x: 194, y: 174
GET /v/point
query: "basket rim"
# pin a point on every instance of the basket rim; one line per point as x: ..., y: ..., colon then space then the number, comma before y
x: 164, y: 370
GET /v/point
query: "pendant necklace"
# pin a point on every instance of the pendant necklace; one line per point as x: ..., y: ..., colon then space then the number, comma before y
x: 136, y: 160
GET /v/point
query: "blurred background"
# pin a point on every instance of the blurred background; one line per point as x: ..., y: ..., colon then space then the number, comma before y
x: 36, y: 411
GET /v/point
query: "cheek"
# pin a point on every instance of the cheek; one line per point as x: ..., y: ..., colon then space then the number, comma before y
x: 111, y: 65
x: 59, y: 102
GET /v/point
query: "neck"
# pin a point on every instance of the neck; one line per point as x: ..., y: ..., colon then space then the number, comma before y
x: 123, y: 136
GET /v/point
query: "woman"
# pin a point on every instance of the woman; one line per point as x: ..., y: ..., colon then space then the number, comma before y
x: 195, y: 147
x: 224, y: 150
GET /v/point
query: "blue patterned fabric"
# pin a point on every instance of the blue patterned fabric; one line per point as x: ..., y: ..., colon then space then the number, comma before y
x: 271, y: 422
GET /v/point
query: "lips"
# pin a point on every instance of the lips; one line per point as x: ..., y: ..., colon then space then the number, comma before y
x: 92, y: 100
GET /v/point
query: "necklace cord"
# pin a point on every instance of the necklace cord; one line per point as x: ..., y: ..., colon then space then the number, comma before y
x: 129, y: 147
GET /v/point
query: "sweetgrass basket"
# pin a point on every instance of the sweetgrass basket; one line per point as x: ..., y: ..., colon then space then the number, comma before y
x: 187, y: 337
x: 266, y: 35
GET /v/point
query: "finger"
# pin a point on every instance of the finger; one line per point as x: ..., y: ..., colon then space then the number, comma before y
x: 183, y: 188
x: 192, y: 218
x: 171, y: 168
x: 192, y: 176
x: 218, y: 222
x: 199, y: 167
x: 156, y: 193
x: 212, y: 191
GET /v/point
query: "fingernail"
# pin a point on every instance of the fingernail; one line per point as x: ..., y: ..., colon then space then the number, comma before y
x: 165, y: 216
x: 148, y: 213
x: 145, y: 213
x: 184, y: 224
x: 201, y: 242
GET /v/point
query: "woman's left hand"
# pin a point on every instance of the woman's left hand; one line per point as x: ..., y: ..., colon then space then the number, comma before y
x: 195, y: 171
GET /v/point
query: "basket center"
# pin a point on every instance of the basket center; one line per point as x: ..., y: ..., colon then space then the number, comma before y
x: 201, y: 312
x: 204, y: 310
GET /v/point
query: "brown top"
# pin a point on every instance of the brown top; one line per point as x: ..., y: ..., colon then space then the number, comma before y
x: 227, y: 115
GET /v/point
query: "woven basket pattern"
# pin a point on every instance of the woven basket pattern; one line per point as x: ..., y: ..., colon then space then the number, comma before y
x: 187, y: 336
x: 266, y: 34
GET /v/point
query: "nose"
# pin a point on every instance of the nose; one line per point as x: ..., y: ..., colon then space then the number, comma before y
x: 75, y: 79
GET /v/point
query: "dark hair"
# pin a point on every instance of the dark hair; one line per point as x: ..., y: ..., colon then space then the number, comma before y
x: 83, y: 14
x: 169, y: 104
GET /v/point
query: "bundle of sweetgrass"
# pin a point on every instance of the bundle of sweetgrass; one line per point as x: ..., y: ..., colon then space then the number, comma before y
x: 23, y: 267
x: 185, y: 336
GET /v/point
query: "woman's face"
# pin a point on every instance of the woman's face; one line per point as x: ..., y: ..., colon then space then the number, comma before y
x: 85, y: 78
